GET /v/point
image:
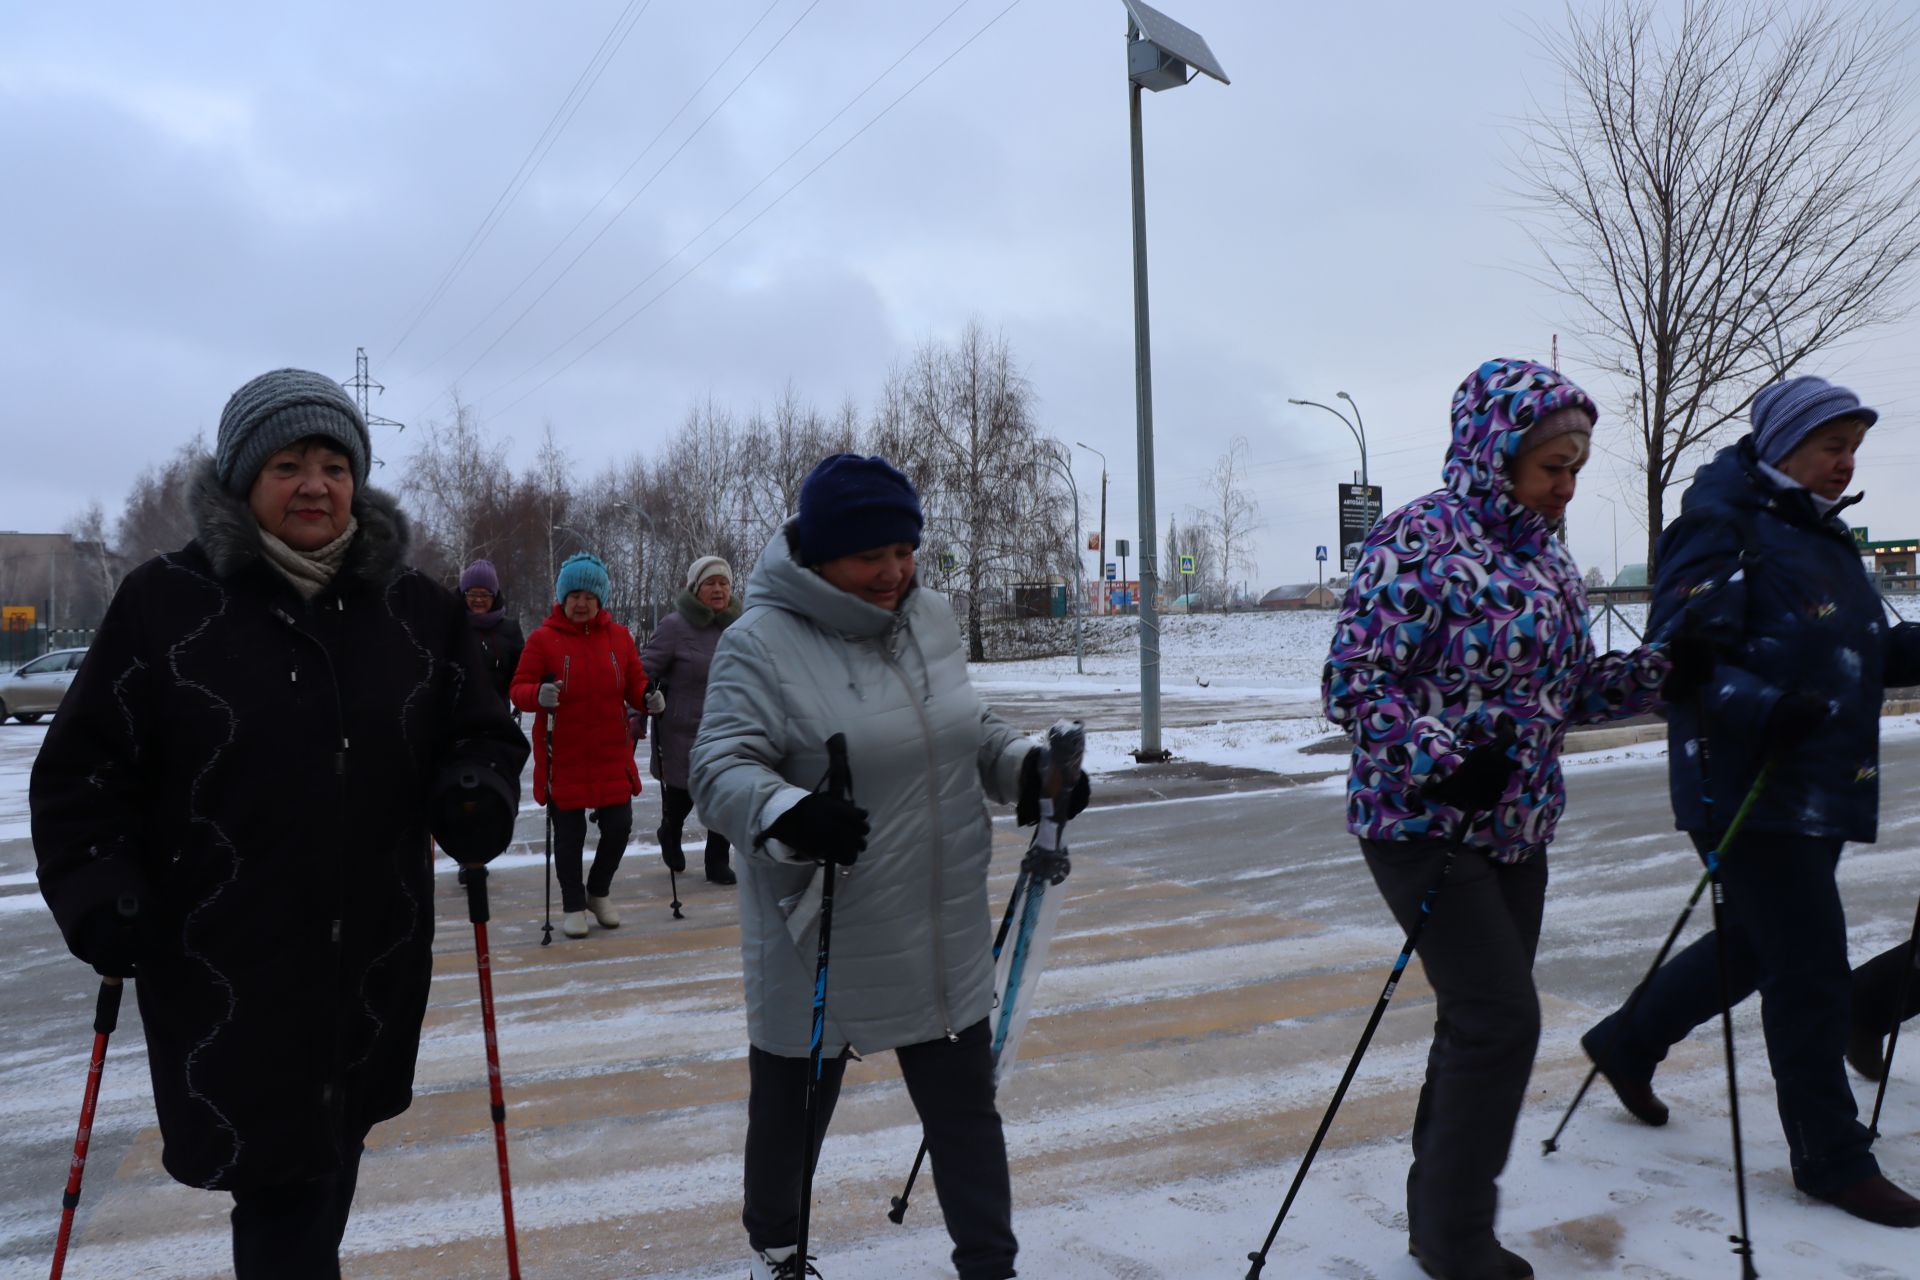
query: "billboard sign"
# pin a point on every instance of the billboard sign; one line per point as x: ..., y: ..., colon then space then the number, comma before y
x: 1359, y: 511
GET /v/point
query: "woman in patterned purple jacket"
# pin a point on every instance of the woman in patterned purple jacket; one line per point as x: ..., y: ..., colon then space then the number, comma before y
x: 1460, y: 659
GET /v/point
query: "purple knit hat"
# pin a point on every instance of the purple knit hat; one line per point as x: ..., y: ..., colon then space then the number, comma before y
x: 1786, y: 413
x: 479, y: 574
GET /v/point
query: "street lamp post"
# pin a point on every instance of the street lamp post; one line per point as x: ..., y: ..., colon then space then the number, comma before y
x: 1160, y: 54
x: 1060, y: 464
x: 1359, y: 434
x: 1100, y: 566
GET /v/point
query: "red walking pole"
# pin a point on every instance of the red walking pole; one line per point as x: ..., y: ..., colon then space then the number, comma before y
x: 106, y: 1014
x: 478, y: 913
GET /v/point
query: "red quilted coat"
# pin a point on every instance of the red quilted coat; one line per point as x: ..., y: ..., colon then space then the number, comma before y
x: 600, y: 677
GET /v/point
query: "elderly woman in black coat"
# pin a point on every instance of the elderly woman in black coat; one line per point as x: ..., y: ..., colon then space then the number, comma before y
x: 233, y: 808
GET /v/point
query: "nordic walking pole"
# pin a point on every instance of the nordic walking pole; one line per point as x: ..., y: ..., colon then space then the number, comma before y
x: 106, y: 1015
x: 478, y: 913
x: 1742, y: 1243
x: 1552, y: 1144
x: 546, y: 929
x: 1899, y: 1016
x: 673, y: 882
x: 898, y: 1213
x: 840, y: 783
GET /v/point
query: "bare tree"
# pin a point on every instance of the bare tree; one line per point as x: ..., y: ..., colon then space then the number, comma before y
x: 456, y: 485
x: 1724, y: 196
x: 1234, y: 513
x: 158, y: 517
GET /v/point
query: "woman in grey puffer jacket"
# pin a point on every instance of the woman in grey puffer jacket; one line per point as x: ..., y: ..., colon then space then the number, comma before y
x: 836, y: 638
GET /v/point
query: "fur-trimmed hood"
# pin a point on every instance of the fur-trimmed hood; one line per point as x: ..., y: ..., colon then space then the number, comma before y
x: 230, y: 536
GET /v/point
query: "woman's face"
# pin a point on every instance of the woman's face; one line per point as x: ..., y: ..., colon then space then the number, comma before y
x: 304, y: 495
x: 479, y: 600
x: 879, y: 575
x: 1544, y: 478
x: 580, y: 606
x: 1823, y: 462
x: 714, y: 591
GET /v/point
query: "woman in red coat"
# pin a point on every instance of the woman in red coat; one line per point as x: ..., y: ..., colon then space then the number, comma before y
x: 578, y: 675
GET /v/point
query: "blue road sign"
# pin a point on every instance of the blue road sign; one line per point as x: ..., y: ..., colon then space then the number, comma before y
x: 1320, y: 554
x: 1113, y: 571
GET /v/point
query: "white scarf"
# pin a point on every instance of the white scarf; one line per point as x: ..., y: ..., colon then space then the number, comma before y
x: 309, y: 571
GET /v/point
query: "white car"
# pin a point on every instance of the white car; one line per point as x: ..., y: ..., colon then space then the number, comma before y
x: 35, y: 689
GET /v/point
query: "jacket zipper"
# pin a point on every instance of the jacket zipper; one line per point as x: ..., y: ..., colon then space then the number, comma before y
x: 939, y: 843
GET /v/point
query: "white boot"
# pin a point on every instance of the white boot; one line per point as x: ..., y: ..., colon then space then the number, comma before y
x: 778, y: 1264
x: 603, y: 911
x: 574, y: 924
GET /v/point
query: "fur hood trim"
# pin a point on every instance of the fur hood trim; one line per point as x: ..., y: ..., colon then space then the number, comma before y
x: 226, y: 530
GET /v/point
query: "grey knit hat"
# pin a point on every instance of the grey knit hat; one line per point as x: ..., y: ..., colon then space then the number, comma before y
x: 275, y: 410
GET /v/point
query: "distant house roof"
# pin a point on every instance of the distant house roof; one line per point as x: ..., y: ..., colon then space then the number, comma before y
x: 1631, y: 575
x: 1294, y: 591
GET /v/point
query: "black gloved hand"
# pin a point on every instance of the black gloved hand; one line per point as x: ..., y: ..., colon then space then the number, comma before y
x: 471, y: 812
x: 1796, y: 717
x: 1026, y: 809
x: 823, y: 827
x: 108, y: 938
x: 1692, y: 657
x: 1480, y: 780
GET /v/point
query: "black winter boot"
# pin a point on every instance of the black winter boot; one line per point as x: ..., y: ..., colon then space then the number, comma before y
x: 1504, y: 1264
x: 670, y: 851
x: 1875, y: 1199
x: 1637, y: 1096
x: 1865, y: 1053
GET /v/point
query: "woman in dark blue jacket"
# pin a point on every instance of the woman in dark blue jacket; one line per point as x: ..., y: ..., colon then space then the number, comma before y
x: 1764, y: 567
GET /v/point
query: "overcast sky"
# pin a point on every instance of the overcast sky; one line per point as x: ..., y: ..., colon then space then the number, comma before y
x: 193, y: 193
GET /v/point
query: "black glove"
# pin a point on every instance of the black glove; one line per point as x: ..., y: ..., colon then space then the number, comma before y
x: 1796, y: 717
x: 108, y: 938
x: 471, y: 812
x: 1478, y: 783
x: 823, y: 827
x: 1026, y: 809
x: 1692, y: 657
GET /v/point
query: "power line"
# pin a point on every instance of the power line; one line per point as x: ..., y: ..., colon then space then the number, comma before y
x: 684, y: 143
x: 536, y: 154
x: 734, y: 235
x: 613, y: 187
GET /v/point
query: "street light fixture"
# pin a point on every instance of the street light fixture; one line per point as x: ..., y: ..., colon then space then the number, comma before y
x: 1161, y: 54
x: 1100, y: 567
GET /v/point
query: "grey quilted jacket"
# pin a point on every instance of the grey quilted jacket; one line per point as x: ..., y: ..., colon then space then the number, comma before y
x: 911, y: 938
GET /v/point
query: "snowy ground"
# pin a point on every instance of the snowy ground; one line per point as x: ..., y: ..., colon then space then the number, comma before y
x: 1218, y: 959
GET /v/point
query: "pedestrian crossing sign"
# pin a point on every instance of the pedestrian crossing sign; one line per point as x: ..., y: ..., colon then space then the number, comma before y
x: 1186, y: 565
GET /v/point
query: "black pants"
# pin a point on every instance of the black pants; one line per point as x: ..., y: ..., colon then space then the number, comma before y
x: 570, y: 842
x: 1876, y: 991
x: 675, y: 804
x: 951, y: 1084
x: 1787, y: 939
x: 1477, y: 952
x: 292, y: 1231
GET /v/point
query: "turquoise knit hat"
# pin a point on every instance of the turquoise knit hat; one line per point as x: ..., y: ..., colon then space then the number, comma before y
x: 582, y: 572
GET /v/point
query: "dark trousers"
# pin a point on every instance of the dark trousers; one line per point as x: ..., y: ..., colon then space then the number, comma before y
x: 292, y: 1231
x: 570, y: 841
x: 1877, y: 989
x: 1787, y: 939
x: 675, y: 804
x: 1477, y: 952
x: 951, y: 1084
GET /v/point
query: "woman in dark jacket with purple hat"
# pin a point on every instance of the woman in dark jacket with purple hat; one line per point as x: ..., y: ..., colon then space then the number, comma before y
x: 500, y: 637
x: 1802, y: 657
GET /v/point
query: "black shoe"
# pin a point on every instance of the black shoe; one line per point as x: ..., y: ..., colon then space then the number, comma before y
x: 1637, y: 1096
x: 1505, y: 1264
x: 721, y: 875
x: 1876, y: 1200
x: 674, y: 857
x: 1864, y: 1053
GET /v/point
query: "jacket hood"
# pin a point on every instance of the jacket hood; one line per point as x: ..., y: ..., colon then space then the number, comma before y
x: 1735, y: 482
x: 782, y: 582
x: 1492, y: 411
x: 224, y: 527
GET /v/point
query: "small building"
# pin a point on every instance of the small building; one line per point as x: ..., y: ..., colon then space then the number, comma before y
x: 1890, y: 559
x: 1305, y: 595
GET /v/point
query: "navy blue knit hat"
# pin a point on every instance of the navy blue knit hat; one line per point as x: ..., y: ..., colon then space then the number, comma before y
x: 582, y: 572
x: 849, y: 503
x: 1786, y: 413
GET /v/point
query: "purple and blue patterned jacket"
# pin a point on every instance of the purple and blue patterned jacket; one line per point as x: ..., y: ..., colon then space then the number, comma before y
x: 1466, y: 611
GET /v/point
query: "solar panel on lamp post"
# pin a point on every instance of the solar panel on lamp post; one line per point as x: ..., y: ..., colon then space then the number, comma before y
x: 1161, y: 54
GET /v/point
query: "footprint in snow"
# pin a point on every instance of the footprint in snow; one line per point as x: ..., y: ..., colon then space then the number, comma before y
x: 1116, y: 1264
x: 1378, y: 1212
x: 1200, y: 1201
x: 1699, y: 1219
x: 1345, y: 1269
x: 1661, y: 1178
